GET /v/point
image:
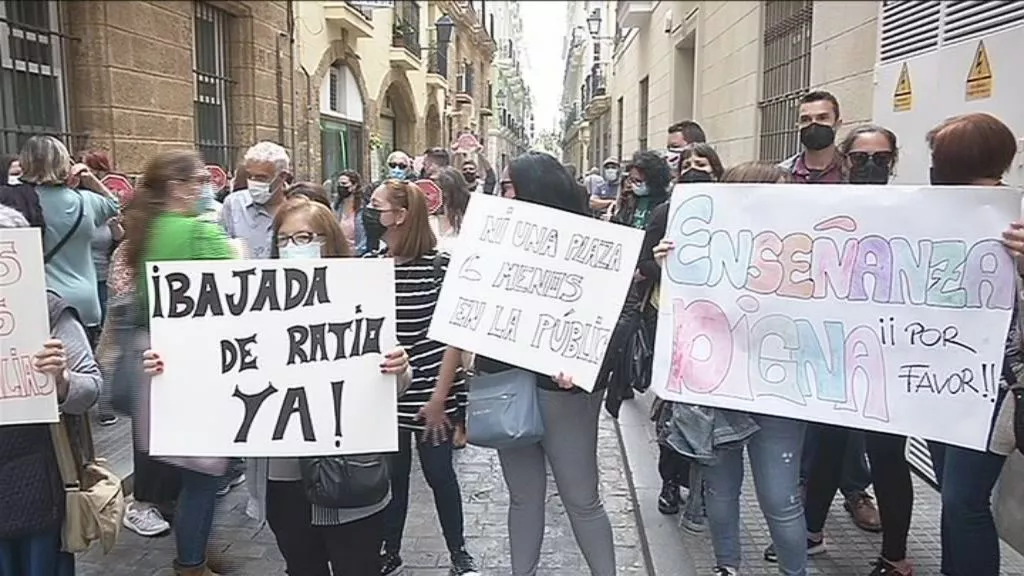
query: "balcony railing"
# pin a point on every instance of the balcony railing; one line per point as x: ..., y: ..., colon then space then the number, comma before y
x: 437, y: 60
x: 364, y: 10
x: 595, y: 84
x: 405, y: 32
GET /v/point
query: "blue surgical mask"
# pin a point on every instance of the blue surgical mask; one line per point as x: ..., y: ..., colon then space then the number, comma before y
x: 293, y: 251
x: 207, y: 199
x: 260, y: 191
x: 397, y: 173
x: 640, y: 189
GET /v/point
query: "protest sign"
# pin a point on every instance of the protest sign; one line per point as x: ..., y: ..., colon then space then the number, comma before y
x: 272, y: 357
x: 535, y: 287
x: 26, y: 396
x: 874, y: 307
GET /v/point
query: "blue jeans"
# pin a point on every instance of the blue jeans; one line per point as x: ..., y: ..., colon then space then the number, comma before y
x: 775, y: 454
x: 970, y: 543
x: 439, y: 471
x: 193, y: 520
x: 37, y: 555
x: 856, y: 476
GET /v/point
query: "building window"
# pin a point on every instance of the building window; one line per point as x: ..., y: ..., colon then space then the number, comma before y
x: 642, y: 118
x: 619, y: 109
x: 786, y: 76
x: 341, y: 121
x: 32, y: 89
x: 212, y: 85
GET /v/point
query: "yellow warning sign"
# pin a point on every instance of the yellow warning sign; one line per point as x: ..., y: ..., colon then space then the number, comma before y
x: 903, y: 98
x: 979, y: 80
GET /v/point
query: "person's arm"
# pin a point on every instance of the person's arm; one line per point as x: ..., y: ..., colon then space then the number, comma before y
x: 225, y: 216
x: 83, y: 374
x: 598, y: 203
x: 656, y: 229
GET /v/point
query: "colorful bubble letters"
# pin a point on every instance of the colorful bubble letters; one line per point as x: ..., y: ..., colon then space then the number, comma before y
x: 875, y: 307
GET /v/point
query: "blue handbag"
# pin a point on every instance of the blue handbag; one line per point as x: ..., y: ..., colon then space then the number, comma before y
x: 504, y: 410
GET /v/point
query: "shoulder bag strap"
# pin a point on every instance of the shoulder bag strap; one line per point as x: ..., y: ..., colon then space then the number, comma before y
x: 74, y: 228
x: 68, y: 459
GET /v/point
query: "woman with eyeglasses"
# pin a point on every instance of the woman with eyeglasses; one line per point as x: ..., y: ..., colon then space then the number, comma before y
x: 312, y: 539
x: 161, y: 224
x: 870, y: 154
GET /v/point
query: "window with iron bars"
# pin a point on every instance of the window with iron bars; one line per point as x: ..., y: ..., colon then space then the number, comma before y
x: 786, y: 75
x: 213, y: 85
x: 32, y: 76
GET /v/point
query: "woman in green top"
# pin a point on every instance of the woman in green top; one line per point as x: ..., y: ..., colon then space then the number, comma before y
x: 651, y: 183
x: 162, y: 224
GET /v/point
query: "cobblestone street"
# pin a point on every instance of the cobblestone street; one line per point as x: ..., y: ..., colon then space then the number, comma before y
x: 486, y: 502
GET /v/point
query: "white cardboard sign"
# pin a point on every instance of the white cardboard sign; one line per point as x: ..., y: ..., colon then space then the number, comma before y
x: 875, y: 307
x: 26, y: 396
x: 536, y: 287
x: 272, y: 357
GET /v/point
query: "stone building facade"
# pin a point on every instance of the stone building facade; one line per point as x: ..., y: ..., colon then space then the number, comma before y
x: 373, y: 80
x: 137, y: 78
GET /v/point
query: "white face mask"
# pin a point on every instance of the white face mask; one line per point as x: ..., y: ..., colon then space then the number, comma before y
x: 293, y: 251
x: 611, y: 174
x: 260, y: 191
x: 13, y: 180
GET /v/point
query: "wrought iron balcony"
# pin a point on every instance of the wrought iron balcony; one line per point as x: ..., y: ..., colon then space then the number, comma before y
x: 437, y: 60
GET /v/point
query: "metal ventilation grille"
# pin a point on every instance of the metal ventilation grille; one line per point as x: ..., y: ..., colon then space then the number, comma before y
x: 964, y: 20
x: 909, y: 28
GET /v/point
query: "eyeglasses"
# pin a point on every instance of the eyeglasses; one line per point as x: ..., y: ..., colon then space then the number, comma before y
x: 299, y: 238
x: 401, y: 165
x: 881, y: 158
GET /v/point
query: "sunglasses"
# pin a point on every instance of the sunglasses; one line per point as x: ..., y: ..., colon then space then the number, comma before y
x: 397, y: 165
x: 877, y: 158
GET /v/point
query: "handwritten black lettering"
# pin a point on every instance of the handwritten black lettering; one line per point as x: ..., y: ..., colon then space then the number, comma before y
x: 572, y: 338
x: 292, y: 286
x: 505, y: 327
x: 494, y: 229
x: 921, y: 335
x: 252, y: 403
x: 594, y: 252
x: 539, y: 240
x: 921, y: 378
x: 295, y: 401
x: 516, y: 277
x: 237, y: 353
x: 467, y: 313
x: 309, y: 343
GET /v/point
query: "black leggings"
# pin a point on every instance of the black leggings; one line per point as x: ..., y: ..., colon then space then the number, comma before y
x: 351, y: 549
x: 890, y: 474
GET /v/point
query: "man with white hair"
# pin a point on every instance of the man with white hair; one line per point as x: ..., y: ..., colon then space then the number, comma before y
x: 249, y: 213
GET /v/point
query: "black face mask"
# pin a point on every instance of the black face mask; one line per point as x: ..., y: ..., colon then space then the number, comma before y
x: 869, y: 173
x: 469, y: 176
x: 344, y: 191
x: 375, y: 229
x: 816, y: 136
x: 696, y: 176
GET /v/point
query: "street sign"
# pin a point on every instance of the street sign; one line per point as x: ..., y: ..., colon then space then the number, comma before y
x: 218, y: 177
x: 120, y: 185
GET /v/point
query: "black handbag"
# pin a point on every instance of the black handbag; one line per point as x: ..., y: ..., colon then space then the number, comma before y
x: 354, y: 481
x: 1015, y: 395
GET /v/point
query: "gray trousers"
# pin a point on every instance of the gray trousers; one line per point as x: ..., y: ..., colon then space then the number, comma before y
x: 570, y: 447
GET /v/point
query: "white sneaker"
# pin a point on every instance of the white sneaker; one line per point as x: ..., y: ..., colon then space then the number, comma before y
x: 145, y: 520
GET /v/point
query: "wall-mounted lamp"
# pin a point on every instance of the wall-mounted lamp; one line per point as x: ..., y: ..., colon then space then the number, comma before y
x: 445, y: 26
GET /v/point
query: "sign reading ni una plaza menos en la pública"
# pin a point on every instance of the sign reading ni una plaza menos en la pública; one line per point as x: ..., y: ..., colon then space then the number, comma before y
x: 875, y: 307
x: 272, y: 357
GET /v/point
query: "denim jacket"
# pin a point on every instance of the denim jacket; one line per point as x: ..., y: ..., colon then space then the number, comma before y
x: 698, y: 432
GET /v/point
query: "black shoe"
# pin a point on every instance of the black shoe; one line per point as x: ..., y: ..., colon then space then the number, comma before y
x: 884, y: 568
x: 723, y: 571
x: 391, y: 564
x: 668, y: 500
x: 813, y: 549
x: 463, y: 564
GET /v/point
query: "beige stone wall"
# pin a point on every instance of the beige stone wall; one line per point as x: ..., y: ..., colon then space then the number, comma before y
x: 728, y: 63
x: 131, y: 84
x: 843, y: 55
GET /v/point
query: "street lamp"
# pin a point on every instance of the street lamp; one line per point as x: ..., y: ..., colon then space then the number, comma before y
x: 594, y: 23
x: 445, y: 26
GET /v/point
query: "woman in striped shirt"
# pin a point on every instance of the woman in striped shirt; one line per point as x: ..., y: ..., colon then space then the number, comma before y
x: 398, y: 215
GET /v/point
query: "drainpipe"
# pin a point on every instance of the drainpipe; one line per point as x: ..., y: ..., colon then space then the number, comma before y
x: 309, y: 109
x: 291, y: 70
x: 279, y: 76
